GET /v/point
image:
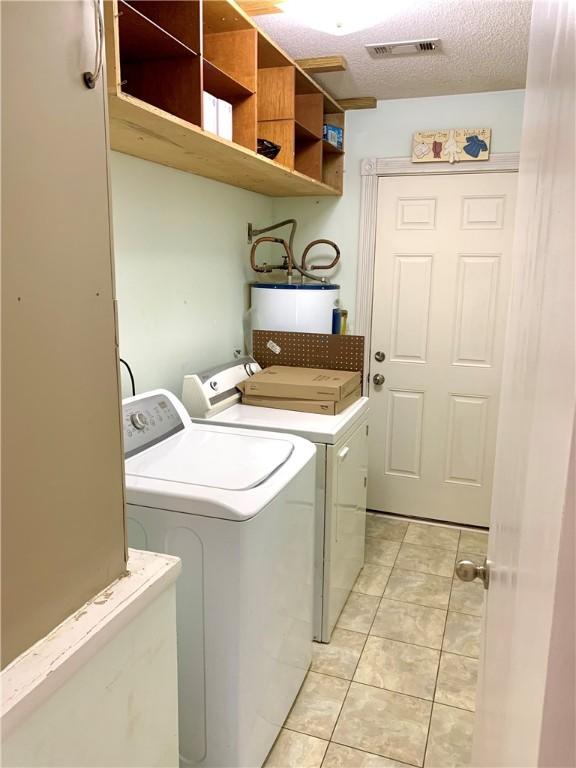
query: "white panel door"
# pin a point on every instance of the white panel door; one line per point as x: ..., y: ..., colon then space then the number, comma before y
x: 526, y: 709
x: 440, y: 295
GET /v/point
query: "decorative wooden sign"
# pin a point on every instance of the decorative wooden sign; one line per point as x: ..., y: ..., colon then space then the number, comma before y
x: 451, y: 145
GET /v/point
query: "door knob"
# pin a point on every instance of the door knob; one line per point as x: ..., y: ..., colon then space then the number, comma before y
x: 379, y: 357
x: 378, y: 379
x: 466, y: 570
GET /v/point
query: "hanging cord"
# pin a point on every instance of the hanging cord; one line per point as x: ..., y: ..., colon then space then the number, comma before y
x: 91, y: 78
x: 131, y: 376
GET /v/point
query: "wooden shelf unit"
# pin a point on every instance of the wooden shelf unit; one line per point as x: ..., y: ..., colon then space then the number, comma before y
x: 162, y: 55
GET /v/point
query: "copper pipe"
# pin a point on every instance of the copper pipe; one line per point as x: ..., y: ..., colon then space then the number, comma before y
x: 269, y: 267
x: 293, y: 224
x: 290, y: 262
x: 321, y: 266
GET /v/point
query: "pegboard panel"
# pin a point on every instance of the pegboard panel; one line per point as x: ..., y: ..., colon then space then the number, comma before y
x: 309, y: 350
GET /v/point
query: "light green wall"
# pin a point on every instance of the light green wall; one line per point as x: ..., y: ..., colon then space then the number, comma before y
x: 180, y: 240
x: 387, y: 132
x: 181, y: 255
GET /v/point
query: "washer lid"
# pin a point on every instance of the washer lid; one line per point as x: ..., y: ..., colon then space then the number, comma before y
x: 212, y: 459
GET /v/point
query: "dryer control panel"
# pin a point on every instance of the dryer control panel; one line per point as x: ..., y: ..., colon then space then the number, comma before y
x: 207, y: 393
x: 148, y: 420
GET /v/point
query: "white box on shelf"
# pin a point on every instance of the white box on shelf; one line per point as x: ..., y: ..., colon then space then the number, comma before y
x: 225, y: 127
x: 209, y: 112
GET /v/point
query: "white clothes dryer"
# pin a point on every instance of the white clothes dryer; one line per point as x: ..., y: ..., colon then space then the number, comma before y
x: 237, y: 507
x: 341, y: 475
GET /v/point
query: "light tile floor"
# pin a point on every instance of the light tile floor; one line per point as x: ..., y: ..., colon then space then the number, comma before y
x: 396, y: 685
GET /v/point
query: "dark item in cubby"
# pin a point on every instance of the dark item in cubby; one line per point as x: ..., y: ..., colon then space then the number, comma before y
x: 268, y: 148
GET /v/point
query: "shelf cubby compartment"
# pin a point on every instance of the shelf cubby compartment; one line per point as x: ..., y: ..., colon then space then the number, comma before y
x: 221, y: 84
x: 331, y: 149
x: 280, y: 132
x: 309, y: 110
x: 179, y: 18
x: 230, y: 73
x: 333, y: 157
x: 276, y: 110
x: 157, y: 67
x: 276, y: 98
x: 309, y: 113
x: 308, y: 158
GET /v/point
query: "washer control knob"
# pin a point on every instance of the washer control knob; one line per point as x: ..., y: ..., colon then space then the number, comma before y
x: 214, y: 385
x: 139, y: 421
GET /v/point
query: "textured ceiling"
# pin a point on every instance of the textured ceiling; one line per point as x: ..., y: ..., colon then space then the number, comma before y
x: 484, y: 48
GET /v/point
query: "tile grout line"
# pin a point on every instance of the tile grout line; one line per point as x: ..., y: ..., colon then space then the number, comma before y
x: 462, y: 527
x: 413, y: 544
x: 407, y: 695
x: 372, y: 624
x: 365, y: 751
x: 438, y: 671
x: 400, y: 642
x: 417, y: 645
x: 412, y: 570
x: 359, y: 657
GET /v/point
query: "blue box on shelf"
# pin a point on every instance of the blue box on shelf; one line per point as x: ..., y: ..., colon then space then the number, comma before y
x: 334, y: 135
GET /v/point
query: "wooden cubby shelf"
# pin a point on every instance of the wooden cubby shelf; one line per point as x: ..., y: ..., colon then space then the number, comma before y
x: 178, y: 19
x: 221, y: 84
x: 304, y: 133
x: 142, y: 38
x: 163, y: 54
x: 330, y: 149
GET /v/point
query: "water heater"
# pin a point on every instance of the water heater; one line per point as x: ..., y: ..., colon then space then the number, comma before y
x: 303, y: 307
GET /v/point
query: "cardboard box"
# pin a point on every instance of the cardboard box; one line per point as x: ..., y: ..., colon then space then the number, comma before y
x: 326, y: 407
x: 302, y: 383
x: 334, y: 135
x: 209, y: 112
x: 225, y: 120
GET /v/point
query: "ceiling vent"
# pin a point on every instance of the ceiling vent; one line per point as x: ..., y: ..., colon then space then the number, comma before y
x: 403, y: 48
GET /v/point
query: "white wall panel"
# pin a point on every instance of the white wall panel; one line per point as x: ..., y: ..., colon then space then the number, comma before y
x: 181, y: 271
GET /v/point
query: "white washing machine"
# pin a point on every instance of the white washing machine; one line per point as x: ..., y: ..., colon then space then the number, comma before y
x: 341, y: 475
x: 237, y: 507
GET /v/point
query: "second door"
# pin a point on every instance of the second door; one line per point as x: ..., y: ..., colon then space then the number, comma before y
x: 441, y: 285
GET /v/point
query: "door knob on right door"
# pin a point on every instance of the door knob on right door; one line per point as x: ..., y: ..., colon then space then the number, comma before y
x: 378, y: 379
x: 466, y: 570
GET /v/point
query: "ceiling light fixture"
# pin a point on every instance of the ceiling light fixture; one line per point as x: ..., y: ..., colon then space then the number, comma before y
x: 337, y: 17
